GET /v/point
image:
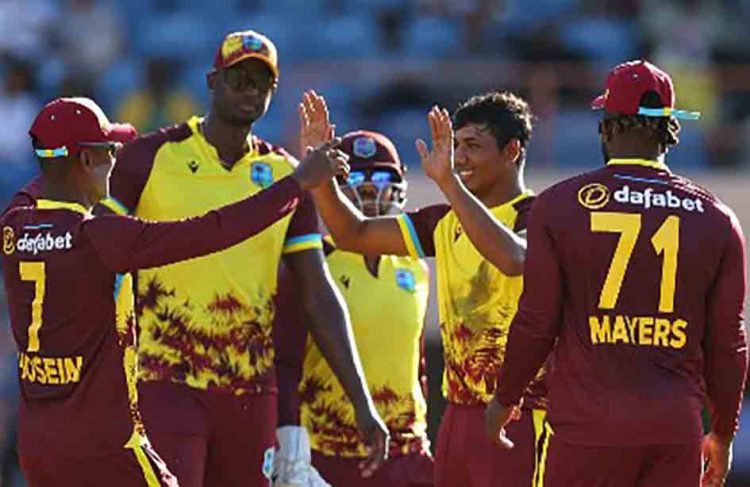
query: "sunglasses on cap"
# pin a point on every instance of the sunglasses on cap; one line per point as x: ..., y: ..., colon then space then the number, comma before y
x: 380, y: 178
x: 242, y: 79
x: 111, y: 147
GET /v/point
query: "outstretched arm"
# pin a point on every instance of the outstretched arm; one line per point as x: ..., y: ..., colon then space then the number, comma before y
x: 350, y: 229
x: 496, y: 242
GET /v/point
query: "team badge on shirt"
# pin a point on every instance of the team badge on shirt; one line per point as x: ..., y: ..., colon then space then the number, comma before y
x: 405, y: 280
x: 261, y: 174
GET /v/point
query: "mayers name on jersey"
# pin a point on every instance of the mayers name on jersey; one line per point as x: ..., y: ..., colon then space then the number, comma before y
x: 44, y: 242
x: 648, y: 198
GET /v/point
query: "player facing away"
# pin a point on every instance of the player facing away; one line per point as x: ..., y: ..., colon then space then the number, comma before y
x: 71, y: 301
x: 386, y: 297
x: 638, y: 275
x: 477, y: 298
x: 205, y: 346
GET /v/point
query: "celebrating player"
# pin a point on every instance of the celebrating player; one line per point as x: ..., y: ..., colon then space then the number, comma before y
x: 476, y: 297
x: 71, y: 304
x: 638, y: 276
x: 206, y: 376
x: 387, y: 300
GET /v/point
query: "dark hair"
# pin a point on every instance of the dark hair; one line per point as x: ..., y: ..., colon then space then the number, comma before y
x: 663, y: 129
x: 505, y: 114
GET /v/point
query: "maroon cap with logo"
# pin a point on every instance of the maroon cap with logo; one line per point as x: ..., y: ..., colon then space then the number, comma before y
x: 247, y: 44
x: 65, y: 125
x: 628, y: 82
x: 368, y: 149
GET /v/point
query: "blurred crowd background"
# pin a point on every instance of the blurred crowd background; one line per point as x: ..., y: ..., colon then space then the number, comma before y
x: 381, y: 64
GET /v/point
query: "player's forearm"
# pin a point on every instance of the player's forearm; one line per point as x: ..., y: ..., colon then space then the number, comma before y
x: 726, y: 373
x: 133, y: 244
x: 343, y: 220
x: 331, y: 331
x: 497, y: 243
x: 525, y: 354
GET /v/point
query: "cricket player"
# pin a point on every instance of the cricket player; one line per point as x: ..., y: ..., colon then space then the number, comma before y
x: 206, y: 374
x: 477, y: 297
x: 386, y: 297
x: 71, y: 300
x: 635, y: 276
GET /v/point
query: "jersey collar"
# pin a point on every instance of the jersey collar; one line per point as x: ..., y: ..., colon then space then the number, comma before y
x: 195, y: 127
x: 525, y: 194
x: 660, y: 165
x: 43, y: 204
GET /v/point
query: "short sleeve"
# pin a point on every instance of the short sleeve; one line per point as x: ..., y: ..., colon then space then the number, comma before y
x: 418, y: 229
x: 303, y: 233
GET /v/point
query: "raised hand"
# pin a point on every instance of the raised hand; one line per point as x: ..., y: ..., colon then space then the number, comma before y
x: 321, y: 163
x: 376, y: 439
x: 315, y: 125
x: 438, y: 162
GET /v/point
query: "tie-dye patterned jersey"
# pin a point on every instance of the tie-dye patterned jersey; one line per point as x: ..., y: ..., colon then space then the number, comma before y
x: 387, y: 313
x: 476, y: 302
x: 206, y: 322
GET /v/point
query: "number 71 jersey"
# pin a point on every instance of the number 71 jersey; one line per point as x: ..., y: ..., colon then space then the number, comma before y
x: 650, y: 269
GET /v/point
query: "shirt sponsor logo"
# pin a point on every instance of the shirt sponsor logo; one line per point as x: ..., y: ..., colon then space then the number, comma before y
x: 9, y: 240
x: 42, y: 242
x: 638, y: 330
x: 649, y: 198
x: 593, y: 196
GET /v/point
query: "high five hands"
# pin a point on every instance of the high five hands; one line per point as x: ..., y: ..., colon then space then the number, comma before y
x: 438, y: 162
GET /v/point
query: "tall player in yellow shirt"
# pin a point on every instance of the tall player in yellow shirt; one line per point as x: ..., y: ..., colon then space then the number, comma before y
x: 477, y: 296
x: 205, y: 351
x: 386, y: 296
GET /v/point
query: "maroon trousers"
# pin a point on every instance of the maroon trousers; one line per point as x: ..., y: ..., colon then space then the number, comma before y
x: 211, y: 438
x: 467, y: 457
x: 571, y: 465
x: 414, y: 470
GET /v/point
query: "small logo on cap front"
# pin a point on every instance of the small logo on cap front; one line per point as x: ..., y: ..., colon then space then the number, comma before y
x: 251, y: 43
x: 364, y: 147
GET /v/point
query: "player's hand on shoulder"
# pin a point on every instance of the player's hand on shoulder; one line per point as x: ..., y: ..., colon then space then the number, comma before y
x: 292, y: 463
x: 717, y: 455
x: 377, y: 440
x: 315, y: 124
x: 438, y: 161
x: 321, y: 164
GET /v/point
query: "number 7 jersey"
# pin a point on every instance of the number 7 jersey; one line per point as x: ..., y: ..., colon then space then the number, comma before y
x: 640, y: 276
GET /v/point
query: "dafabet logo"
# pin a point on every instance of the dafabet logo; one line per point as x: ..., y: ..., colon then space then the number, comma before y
x: 593, y: 196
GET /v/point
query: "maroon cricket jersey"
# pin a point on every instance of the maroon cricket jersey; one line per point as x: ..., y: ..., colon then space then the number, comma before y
x: 639, y: 275
x: 71, y: 308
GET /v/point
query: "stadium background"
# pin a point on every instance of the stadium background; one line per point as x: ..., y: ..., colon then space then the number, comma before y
x: 382, y: 64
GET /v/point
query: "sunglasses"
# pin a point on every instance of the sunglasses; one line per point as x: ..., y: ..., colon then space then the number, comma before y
x: 239, y: 79
x: 111, y: 147
x: 379, y: 178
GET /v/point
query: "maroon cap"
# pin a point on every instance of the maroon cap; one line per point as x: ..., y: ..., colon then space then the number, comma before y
x: 247, y: 44
x: 369, y: 150
x: 65, y: 125
x: 628, y: 82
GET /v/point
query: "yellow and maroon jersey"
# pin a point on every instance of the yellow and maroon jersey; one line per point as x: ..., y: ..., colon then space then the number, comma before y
x: 72, y: 313
x: 206, y: 322
x: 637, y: 279
x: 476, y: 302
x: 387, y: 312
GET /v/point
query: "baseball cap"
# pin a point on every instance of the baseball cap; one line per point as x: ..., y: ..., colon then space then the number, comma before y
x: 368, y: 149
x: 65, y: 125
x: 628, y: 82
x: 246, y: 44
